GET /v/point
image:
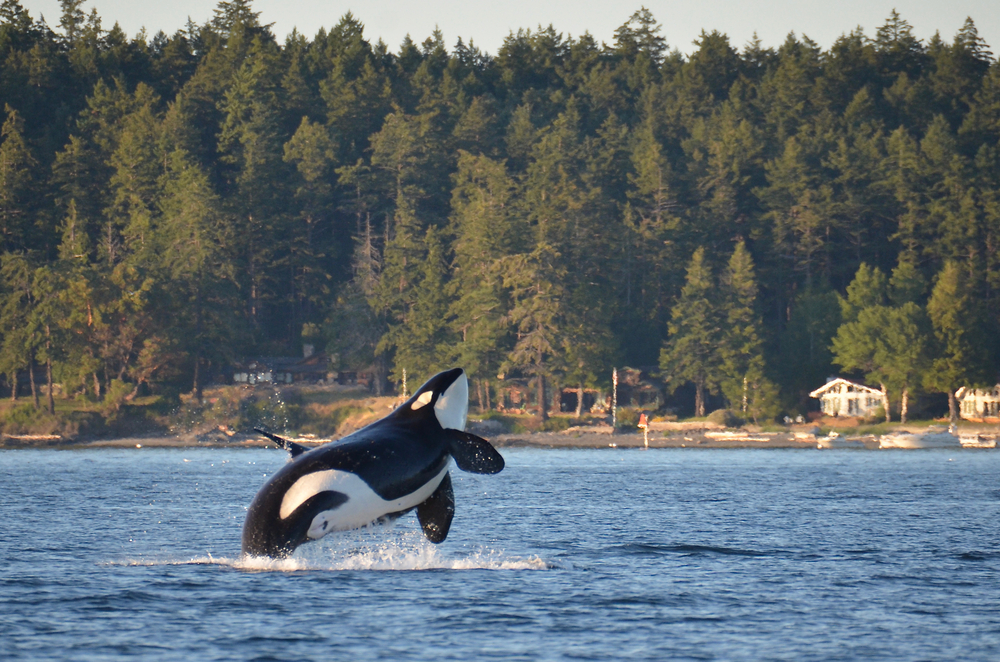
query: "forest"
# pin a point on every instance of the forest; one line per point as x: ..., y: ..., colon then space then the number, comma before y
x: 742, y: 222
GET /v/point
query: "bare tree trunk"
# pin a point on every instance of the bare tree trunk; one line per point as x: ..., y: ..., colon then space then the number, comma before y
x: 48, y: 369
x: 97, y: 386
x: 479, y: 393
x: 489, y: 405
x: 903, y: 405
x: 197, y: 379
x: 699, y: 399
x: 543, y: 411
x: 885, y: 404
x: 48, y: 379
x: 13, y: 385
x: 197, y: 355
x: 377, y: 375
x: 31, y: 378
x: 579, y: 401
x: 952, y: 407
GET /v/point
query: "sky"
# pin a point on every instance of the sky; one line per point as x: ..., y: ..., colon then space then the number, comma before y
x: 488, y: 23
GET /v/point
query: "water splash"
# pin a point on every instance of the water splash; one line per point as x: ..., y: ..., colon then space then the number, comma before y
x: 410, y: 551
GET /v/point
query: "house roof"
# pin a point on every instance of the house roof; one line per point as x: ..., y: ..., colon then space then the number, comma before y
x: 840, y: 381
x: 968, y: 390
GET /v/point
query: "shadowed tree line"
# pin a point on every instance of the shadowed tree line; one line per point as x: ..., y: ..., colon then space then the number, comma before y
x: 748, y: 221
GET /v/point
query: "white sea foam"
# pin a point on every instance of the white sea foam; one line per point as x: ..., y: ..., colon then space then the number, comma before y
x: 407, y: 552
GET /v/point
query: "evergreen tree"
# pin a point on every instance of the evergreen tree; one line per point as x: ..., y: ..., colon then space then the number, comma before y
x: 420, y: 338
x: 741, y: 347
x: 536, y: 316
x: 486, y: 230
x: 887, y: 341
x: 804, y: 344
x: 195, y: 244
x: 690, y: 353
x: 962, y: 356
x: 255, y: 180
x: 17, y: 185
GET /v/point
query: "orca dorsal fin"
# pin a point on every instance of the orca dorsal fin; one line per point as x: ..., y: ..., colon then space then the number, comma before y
x: 436, y: 513
x: 293, y: 448
x: 474, y: 454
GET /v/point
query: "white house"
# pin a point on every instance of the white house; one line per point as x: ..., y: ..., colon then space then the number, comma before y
x: 840, y: 397
x: 979, y: 403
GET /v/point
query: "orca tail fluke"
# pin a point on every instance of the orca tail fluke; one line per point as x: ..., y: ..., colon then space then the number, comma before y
x: 293, y: 448
x: 474, y: 454
x: 436, y: 513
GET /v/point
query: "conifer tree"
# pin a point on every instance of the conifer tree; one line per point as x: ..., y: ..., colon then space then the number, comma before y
x: 314, y: 237
x: 17, y: 185
x: 536, y: 315
x: 885, y: 333
x: 962, y: 356
x: 690, y: 353
x: 16, y: 351
x: 420, y: 338
x: 486, y: 229
x: 195, y: 245
x: 255, y: 178
x: 741, y: 347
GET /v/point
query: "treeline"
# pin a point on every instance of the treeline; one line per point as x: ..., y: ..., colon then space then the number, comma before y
x: 171, y: 203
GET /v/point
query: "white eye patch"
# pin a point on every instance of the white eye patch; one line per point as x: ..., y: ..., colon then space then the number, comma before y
x: 422, y: 400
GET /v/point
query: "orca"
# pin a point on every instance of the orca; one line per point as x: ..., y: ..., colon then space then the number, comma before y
x: 377, y: 474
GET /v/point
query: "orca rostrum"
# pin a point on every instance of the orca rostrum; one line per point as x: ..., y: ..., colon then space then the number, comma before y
x: 373, y: 475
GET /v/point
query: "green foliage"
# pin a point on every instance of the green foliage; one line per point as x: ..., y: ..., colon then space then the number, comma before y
x: 726, y: 418
x: 888, y: 343
x: 546, y: 213
x: 554, y: 424
x: 115, y: 398
x: 690, y: 354
x: 962, y: 354
x: 627, y: 418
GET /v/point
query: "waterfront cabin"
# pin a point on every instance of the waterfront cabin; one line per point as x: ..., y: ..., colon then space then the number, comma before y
x: 311, y: 369
x: 841, y: 397
x: 977, y: 403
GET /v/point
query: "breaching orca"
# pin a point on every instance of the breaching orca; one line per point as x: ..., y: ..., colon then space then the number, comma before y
x: 376, y: 474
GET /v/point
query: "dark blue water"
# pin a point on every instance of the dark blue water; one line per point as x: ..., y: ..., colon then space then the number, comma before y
x: 566, y: 555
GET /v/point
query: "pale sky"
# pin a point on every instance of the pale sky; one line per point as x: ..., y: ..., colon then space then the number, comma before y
x: 488, y: 23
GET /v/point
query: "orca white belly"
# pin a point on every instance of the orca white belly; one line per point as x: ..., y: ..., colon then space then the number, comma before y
x: 363, y: 505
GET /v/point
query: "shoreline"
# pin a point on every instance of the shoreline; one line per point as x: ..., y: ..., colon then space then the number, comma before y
x: 700, y: 439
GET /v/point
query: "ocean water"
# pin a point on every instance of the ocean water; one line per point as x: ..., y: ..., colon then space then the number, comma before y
x: 566, y: 555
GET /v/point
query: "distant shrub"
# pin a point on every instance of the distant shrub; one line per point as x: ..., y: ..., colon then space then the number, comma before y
x: 554, y: 424
x: 875, y: 416
x: 627, y: 417
x: 115, y: 398
x: 25, y: 419
x: 726, y: 418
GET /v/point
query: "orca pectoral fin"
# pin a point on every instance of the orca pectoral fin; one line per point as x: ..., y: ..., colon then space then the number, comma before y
x: 435, y: 514
x: 474, y: 454
x: 293, y: 448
